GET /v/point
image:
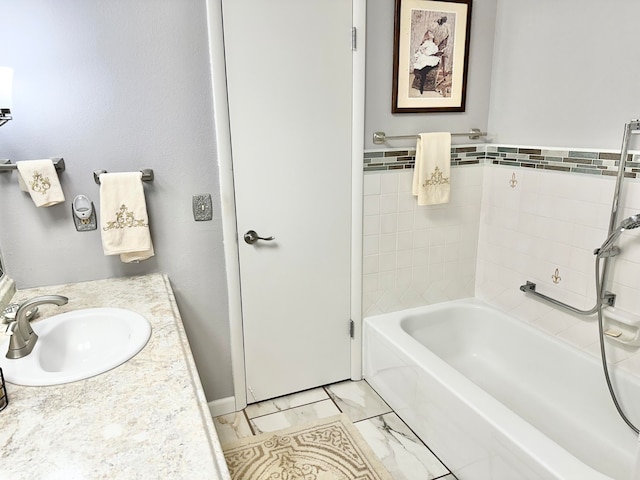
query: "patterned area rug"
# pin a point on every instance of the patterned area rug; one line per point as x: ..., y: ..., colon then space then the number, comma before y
x: 329, y: 449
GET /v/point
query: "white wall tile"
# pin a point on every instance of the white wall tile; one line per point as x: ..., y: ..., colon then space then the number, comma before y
x: 389, y: 223
x: 370, y: 264
x: 388, y: 242
x: 371, y: 205
x: 389, y: 182
x: 405, y: 181
x: 389, y: 203
x: 371, y: 183
x: 561, y: 219
x: 370, y: 245
x: 371, y: 225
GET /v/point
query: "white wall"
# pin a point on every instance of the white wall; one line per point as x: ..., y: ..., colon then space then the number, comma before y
x: 566, y: 73
x: 118, y: 85
x: 378, y: 116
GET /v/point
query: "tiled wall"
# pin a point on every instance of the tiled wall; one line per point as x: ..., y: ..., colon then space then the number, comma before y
x: 515, y: 214
x: 416, y: 255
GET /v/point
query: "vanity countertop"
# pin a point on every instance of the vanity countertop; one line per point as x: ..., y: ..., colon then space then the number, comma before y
x: 145, y: 419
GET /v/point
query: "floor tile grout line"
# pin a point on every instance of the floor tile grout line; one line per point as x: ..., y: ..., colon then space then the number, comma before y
x: 291, y: 408
x: 286, y: 409
x: 244, y: 412
x: 423, y: 443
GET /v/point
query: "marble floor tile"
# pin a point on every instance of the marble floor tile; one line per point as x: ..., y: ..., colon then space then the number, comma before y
x: 293, y: 416
x: 357, y: 400
x: 286, y: 402
x: 401, y: 452
x: 232, y: 427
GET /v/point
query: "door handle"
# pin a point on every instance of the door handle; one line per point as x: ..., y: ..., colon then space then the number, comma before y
x: 252, y: 237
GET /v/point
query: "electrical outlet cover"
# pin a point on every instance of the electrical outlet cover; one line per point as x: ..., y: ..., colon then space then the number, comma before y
x: 85, y: 224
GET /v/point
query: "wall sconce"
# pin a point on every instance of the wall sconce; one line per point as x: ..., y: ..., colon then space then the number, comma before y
x: 6, y: 81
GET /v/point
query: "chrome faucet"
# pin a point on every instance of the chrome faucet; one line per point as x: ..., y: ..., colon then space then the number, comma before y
x: 23, y: 338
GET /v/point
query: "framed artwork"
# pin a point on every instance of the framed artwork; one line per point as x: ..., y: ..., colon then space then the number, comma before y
x: 430, y: 55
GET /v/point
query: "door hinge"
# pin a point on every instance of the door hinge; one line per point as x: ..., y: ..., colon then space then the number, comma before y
x: 354, y: 35
x: 352, y: 328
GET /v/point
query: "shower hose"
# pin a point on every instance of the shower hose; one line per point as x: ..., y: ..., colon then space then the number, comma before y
x: 600, y: 293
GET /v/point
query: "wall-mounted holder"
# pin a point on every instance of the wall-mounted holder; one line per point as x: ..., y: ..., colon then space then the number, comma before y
x: 7, y: 166
x: 147, y: 175
x: 622, y: 327
x: 83, y: 214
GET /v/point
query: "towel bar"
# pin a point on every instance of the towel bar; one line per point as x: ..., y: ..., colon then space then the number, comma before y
x: 7, y: 166
x: 147, y: 175
x: 381, y: 137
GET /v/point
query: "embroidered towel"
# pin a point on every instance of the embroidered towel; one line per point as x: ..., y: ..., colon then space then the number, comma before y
x: 124, y: 223
x: 433, y: 166
x: 40, y: 179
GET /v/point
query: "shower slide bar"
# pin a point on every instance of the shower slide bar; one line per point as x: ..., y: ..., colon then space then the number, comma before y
x: 147, y: 175
x: 7, y: 166
x: 381, y: 137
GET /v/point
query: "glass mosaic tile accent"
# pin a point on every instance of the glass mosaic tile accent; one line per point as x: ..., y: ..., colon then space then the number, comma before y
x: 570, y: 161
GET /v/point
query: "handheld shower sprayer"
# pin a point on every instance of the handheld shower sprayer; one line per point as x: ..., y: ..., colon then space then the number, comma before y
x: 608, y: 249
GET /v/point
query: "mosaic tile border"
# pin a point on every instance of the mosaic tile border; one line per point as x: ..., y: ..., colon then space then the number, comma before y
x: 571, y: 161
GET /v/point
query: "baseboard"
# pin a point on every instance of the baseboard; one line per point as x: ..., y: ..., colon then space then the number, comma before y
x: 222, y: 406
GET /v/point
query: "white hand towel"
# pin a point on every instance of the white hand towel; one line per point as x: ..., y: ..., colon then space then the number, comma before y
x: 124, y: 223
x: 433, y: 168
x: 40, y: 179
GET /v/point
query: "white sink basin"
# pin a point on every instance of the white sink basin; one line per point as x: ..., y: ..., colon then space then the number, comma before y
x: 77, y: 345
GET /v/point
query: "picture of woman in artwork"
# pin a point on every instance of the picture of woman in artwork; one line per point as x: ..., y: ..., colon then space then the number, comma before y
x: 431, y: 45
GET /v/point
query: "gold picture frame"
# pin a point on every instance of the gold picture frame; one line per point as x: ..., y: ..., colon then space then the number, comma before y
x: 430, y: 55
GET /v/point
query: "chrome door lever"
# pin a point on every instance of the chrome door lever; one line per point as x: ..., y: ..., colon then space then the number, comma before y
x: 252, y: 237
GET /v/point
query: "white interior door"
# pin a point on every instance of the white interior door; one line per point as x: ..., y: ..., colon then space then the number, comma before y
x: 289, y: 80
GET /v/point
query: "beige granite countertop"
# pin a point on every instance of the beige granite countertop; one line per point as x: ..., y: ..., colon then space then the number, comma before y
x: 146, y: 419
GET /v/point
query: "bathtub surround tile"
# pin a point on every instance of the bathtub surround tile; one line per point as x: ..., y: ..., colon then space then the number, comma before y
x: 556, y: 213
x: 399, y: 449
x: 357, y: 400
x: 562, y: 218
x: 294, y: 416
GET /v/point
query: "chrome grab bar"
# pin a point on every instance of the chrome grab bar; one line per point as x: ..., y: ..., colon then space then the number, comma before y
x: 530, y: 287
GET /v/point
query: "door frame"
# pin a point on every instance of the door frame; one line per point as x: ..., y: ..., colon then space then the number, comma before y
x: 227, y: 193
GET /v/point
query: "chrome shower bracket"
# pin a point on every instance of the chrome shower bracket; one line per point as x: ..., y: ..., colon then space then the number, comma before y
x: 609, y: 299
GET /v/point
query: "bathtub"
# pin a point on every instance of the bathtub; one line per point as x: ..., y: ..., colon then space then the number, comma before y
x: 494, y: 398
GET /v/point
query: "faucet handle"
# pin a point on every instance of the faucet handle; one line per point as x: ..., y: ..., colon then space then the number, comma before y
x: 8, y: 315
x: 11, y: 328
x: 17, y: 341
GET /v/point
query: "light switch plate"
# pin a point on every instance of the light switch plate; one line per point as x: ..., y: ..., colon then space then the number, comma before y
x: 202, y: 207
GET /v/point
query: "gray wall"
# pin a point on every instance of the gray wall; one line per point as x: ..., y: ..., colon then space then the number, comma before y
x: 118, y: 85
x: 379, y: 73
x: 566, y: 73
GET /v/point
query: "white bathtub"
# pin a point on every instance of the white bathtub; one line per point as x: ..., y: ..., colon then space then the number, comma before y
x: 497, y: 399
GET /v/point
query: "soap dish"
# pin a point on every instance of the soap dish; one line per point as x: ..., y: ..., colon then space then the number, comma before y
x: 622, y: 327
